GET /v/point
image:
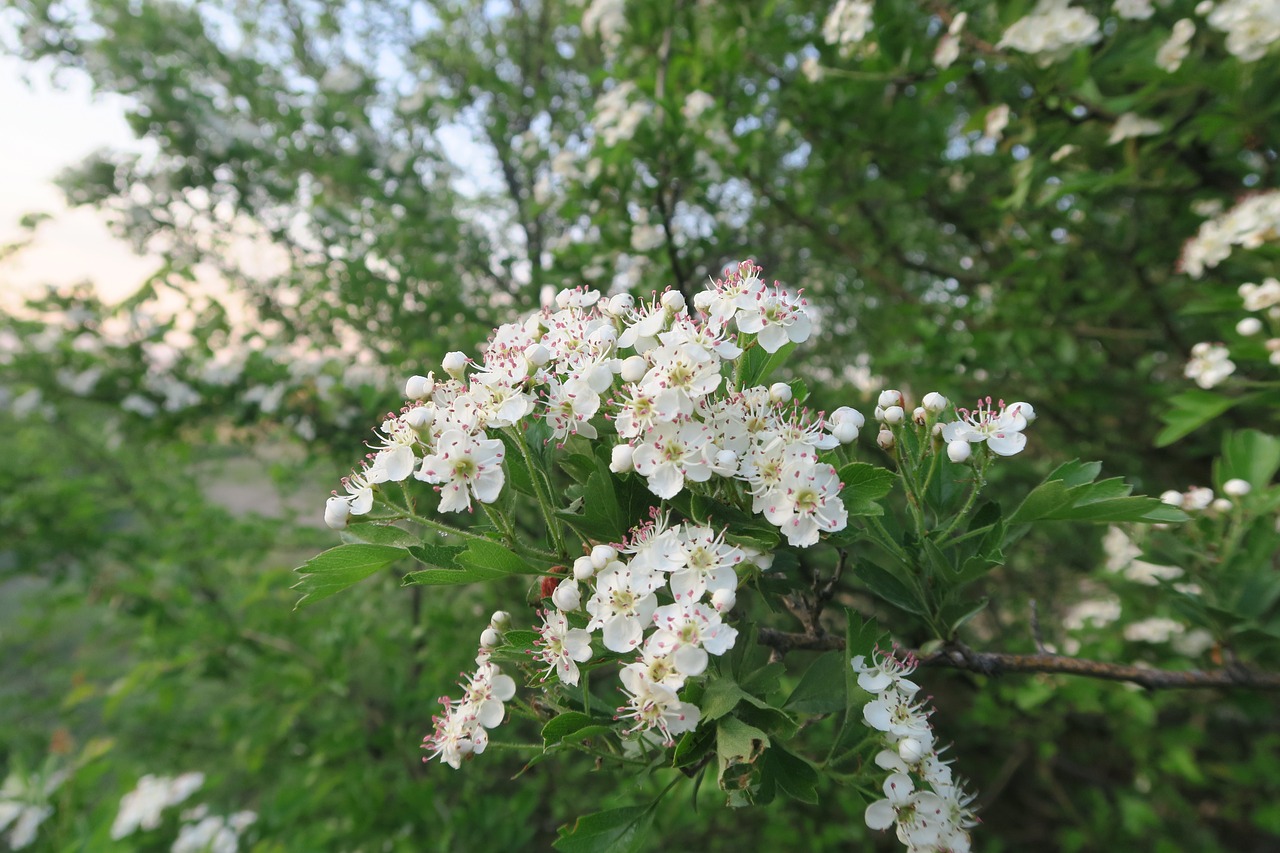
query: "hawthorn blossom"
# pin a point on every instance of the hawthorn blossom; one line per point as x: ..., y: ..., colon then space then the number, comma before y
x: 24, y: 804
x: 708, y: 563
x: 1171, y: 54
x: 463, y: 466
x: 1000, y: 428
x: 623, y: 605
x: 806, y: 501
x: 562, y: 648
x: 776, y: 318
x: 142, y: 807
x: 672, y: 452
x: 1052, y: 31
x: 1252, y: 26
x: 689, y: 632
x: 1131, y: 125
x: 652, y: 705
x: 1209, y: 365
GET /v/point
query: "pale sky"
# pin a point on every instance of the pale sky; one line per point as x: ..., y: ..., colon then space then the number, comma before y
x: 56, y: 128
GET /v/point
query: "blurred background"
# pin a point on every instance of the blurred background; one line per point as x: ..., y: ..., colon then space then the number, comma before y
x: 229, y: 230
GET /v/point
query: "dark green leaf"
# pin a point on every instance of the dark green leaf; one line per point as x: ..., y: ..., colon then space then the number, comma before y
x: 613, y: 831
x: 821, y: 689
x: 338, y: 568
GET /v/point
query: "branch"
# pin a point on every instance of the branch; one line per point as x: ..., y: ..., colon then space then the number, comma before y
x: 999, y: 663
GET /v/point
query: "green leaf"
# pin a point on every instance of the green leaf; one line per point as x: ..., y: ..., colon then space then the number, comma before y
x: 1248, y: 455
x: 721, y: 696
x: 1069, y: 494
x: 614, y: 831
x: 1192, y: 409
x: 821, y: 689
x: 450, y: 577
x: 375, y: 533
x: 866, y: 482
x: 439, y: 556
x: 482, y: 555
x: 887, y: 586
x: 758, y: 365
x: 338, y: 568
x: 571, y: 725
x: 795, y: 776
x: 738, y: 743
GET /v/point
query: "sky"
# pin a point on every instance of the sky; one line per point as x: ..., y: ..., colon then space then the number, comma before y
x: 57, y: 127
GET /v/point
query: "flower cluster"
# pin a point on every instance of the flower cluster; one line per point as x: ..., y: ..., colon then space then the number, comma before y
x: 937, y: 816
x: 462, y: 730
x: 1252, y: 26
x: 667, y: 403
x: 24, y: 803
x: 1052, y: 31
x: 1253, y: 221
x: 143, y: 807
x: 847, y: 24
x: 206, y: 833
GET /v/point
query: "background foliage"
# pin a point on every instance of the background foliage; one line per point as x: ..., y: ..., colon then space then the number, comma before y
x: 420, y: 172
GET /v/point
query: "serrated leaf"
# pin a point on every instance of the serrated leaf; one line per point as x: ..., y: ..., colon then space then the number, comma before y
x: 373, y: 533
x: 738, y: 743
x: 795, y: 776
x: 450, y: 577
x: 1191, y: 410
x: 482, y: 555
x: 613, y: 831
x: 338, y: 568
x: 439, y: 556
x: 821, y: 689
x: 569, y: 723
x: 864, y: 482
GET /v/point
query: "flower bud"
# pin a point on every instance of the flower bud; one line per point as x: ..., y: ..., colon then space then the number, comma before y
x: 620, y: 459
x: 846, y: 415
x: 499, y: 620
x: 673, y: 300
x: 911, y: 750
x: 780, y: 392
x: 845, y: 432
x: 455, y: 364
x: 894, y: 415
x: 602, y: 555
x: 1221, y: 505
x: 634, y: 368
x: 724, y: 599
x: 419, y: 386
x: 420, y: 417
x: 704, y: 299
x: 726, y: 463
x: 336, y: 512
x: 886, y: 440
x: 583, y: 569
x: 1171, y: 497
x: 1249, y: 326
x: 959, y: 451
x: 537, y: 354
x: 566, y: 595
x: 934, y: 402
x: 919, y: 416
x: 490, y: 638
x: 619, y: 305
x: 889, y: 398
x: 1237, y: 488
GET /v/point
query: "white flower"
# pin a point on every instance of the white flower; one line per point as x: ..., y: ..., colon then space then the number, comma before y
x: 463, y: 466
x: 847, y: 24
x: 142, y: 807
x: 1130, y: 125
x: 1134, y: 10
x: 655, y: 706
x: 920, y: 815
x: 689, y: 631
x: 24, y: 803
x: 995, y: 121
x: 885, y: 672
x: 213, y: 834
x: 1171, y: 54
x: 562, y: 648
x: 1209, y: 365
x: 806, y: 501
x: 695, y: 104
x: 948, y: 49
x: 1252, y: 26
x: 623, y: 605
x: 1052, y: 31
x: 672, y: 452
x: 775, y: 318
x: 1000, y: 428
x: 708, y: 563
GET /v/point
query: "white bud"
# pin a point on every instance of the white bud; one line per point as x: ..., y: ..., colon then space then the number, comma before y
x: 455, y: 364
x: 885, y: 439
x: 537, y: 354
x: 726, y: 463
x: 844, y: 432
x: 889, y: 398
x: 619, y: 304
x: 583, y: 569
x: 764, y: 562
x: 566, y: 595
x: 620, y: 459
x: 1237, y: 488
x: 704, y: 299
x: 499, y: 620
x: 919, y: 415
x: 844, y: 414
x: 911, y: 750
x: 1171, y: 497
x: 724, y: 599
x: 1221, y: 505
x: 780, y: 392
x: 959, y: 451
x: 634, y: 368
x: 673, y: 300
x: 336, y: 512
x: 420, y: 417
x: 1249, y: 326
x: 419, y: 386
x: 894, y: 415
x: 602, y: 555
x: 934, y: 402
x: 489, y: 638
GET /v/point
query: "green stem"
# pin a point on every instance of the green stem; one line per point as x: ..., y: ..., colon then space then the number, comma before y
x: 979, y: 480
x: 541, y: 491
